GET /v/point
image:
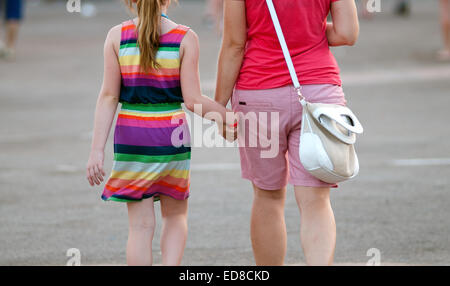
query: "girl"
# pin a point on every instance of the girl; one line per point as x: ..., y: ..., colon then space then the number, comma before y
x: 151, y: 67
x: 252, y: 69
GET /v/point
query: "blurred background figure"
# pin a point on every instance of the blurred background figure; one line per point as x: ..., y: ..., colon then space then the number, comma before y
x: 12, y: 10
x: 364, y: 12
x: 444, y: 54
x: 213, y: 14
x: 403, y: 8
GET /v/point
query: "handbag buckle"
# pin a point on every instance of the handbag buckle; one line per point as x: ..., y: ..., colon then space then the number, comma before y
x: 300, y: 95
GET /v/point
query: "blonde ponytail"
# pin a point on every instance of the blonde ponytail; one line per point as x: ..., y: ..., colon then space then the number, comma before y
x: 149, y: 13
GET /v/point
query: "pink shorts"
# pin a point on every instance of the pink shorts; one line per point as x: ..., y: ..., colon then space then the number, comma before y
x: 269, y: 133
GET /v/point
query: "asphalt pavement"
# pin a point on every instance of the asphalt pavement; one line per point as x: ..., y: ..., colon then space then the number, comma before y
x: 399, y: 204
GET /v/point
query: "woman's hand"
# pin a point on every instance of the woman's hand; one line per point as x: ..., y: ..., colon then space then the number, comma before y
x: 94, y: 168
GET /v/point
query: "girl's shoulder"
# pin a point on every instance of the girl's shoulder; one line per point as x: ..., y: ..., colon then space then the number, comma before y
x: 189, y: 38
x: 170, y: 27
x: 185, y: 32
x: 190, y: 35
x: 115, y: 31
x: 124, y: 27
x: 190, y: 44
x: 113, y: 37
x: 178, y: 33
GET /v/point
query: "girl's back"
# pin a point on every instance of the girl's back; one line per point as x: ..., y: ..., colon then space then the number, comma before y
x: 146, y: 161
x: 157, y: 85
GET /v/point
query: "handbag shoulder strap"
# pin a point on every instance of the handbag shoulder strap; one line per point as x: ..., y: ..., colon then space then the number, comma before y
x: 287, y: 55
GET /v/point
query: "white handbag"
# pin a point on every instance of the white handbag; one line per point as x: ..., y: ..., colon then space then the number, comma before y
x: 328, y: 131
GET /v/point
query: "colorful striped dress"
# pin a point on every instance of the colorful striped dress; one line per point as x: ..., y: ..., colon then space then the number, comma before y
x: 151, y: 138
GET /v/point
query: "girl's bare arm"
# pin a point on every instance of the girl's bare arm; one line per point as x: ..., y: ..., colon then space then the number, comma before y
x: 106, y: 107
x: 190, y: 82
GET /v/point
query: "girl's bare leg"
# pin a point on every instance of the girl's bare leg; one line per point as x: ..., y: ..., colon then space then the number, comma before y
x: 268, y: 228
x: 174, y: 230
x: 141, y: 217
x: 318, y: 228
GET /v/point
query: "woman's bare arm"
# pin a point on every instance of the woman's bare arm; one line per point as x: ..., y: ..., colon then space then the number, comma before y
x: 106, y: 107
x: 232, y: 51
x: 344, y: 29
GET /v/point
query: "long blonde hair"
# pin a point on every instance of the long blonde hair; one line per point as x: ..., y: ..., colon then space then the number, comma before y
x: 149, y: 14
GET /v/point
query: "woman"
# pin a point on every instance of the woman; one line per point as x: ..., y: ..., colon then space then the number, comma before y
x: 252, y: 70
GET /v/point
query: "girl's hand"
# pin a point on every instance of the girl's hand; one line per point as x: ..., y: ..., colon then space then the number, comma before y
x: 107, y: 102
x: 94, y: 168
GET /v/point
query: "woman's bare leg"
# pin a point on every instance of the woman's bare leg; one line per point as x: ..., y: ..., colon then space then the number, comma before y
x: 174, y: 230
x: 268, y: 228
x: 141, y: 218
x: 317, y: 226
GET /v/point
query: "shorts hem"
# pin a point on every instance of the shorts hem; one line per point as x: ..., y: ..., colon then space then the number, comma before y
x: 262, y: 186
x: 303, y: 183
x: 314, y: 184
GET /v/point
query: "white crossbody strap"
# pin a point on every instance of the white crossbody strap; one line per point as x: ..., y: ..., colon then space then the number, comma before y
x: 284, y: 47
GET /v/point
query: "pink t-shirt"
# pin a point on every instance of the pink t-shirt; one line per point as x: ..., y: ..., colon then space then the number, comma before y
x: 304, y: 26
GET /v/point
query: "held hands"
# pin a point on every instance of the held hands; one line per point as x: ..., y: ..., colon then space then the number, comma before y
x: 229, y: 128
x: 94, y: 168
